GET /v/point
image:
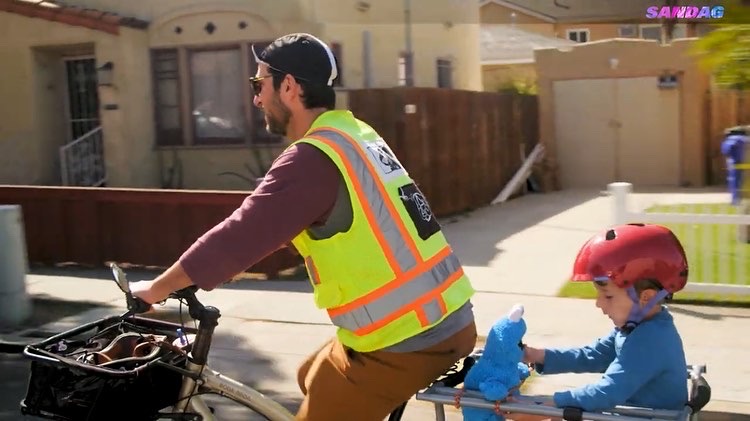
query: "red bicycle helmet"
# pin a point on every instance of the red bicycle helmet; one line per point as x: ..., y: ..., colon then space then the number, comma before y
x: 628, y: 253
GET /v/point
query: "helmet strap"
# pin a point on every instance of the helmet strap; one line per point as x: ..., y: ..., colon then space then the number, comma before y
x: 638, y: 313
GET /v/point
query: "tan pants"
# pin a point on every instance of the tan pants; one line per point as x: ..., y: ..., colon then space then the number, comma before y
x: 341, y: 384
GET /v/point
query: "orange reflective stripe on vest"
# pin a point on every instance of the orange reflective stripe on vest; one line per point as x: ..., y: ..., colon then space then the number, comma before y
x: 417, y: 285
x: 419, y: 292
x: 313, y: 271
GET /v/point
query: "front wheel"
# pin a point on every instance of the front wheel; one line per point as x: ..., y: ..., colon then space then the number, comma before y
x: 213, y: 407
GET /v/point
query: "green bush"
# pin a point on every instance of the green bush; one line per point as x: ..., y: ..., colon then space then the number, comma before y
x: 518, y: 86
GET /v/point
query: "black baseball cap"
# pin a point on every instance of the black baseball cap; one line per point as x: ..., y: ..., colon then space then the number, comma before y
x: 301, y: 55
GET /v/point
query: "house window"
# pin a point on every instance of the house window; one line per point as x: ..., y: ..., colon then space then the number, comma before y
x: 651, y: 32
x: 578, y: 35
x: 703, y: 29
x: 202, y: 97
x: 679, y: 31
x: 402, y: 69
x: 444, y: 73
x: 627, y: 31
x: 217, y: 103
x: 405, y: 63
x: 167, y: 97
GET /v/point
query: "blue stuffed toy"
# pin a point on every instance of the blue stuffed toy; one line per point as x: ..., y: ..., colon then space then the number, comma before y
x: 499, y: 371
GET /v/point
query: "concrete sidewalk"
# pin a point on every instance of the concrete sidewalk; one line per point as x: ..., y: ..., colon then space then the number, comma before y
x: 528, y: 245
x: 517, y: 252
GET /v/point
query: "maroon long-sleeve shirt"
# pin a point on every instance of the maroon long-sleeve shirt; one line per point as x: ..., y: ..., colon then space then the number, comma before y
x: 299, y: 190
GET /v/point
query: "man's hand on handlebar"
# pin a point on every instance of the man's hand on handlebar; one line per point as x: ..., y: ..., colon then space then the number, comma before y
x: 148, y: 291
x: 173, y: 279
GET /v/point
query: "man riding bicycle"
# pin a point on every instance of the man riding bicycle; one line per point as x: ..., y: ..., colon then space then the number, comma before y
x: 375, y: 254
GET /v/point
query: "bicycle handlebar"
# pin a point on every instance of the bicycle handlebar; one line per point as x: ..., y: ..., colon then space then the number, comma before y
x: 207, y: 316
x: 138, y: 306
x: 195, y: 307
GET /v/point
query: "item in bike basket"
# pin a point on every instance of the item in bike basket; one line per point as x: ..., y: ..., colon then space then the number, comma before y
x: 121, y: 369
x: 127, y: 347
x: 183, y: 340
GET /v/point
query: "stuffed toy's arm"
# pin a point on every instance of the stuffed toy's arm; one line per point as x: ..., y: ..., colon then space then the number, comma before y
x: 493, y: 389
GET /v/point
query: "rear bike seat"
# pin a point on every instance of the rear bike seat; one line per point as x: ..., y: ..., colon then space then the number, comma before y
x: 443, y: 391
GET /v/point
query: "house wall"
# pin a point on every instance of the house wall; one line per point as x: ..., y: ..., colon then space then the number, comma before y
x: 597, y: 31
x: 439, y: 29
x: 34, y: 124
x: 636, y: 58
x: 493, y: 13
x: 33, y: 49
x: 430, y: 42
x: 200, y: 166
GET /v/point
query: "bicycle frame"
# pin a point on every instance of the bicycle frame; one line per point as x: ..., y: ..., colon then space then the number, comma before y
x: 211, y: 381
x: 197, y: 377
x: 200, y: 379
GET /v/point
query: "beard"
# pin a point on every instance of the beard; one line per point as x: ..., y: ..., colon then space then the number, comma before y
x: 278, y: 120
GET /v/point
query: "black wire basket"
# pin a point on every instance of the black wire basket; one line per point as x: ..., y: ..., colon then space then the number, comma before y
x: 67, y: 382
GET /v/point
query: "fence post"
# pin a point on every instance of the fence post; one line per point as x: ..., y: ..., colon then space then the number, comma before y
x: 620, y: 192
x: 14, y: 302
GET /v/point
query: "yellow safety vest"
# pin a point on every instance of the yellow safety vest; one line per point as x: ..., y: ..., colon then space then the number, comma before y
x: 392, y: 275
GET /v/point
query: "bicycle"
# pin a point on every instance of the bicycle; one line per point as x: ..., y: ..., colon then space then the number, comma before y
x: 174, y: 379
x: 183, y: 377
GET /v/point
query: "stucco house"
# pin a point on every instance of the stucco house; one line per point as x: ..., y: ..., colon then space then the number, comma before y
x: 144, y: 93
x: 507, y: 53
x: 556, y: 23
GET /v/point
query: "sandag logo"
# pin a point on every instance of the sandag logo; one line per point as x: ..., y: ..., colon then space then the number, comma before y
x: 685, y: 12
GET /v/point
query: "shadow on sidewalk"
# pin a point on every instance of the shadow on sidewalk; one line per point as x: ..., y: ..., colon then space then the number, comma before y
x: 291, y: 281
x: 708, y: 314
x: 100, y: 273
x: 722, y: 416
x: 474, y: 236
x: 46, y: 309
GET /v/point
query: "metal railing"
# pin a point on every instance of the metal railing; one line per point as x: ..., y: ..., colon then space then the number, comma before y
x: 82, y: 160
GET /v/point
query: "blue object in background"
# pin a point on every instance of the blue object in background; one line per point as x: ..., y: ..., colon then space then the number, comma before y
x: 733, y: 148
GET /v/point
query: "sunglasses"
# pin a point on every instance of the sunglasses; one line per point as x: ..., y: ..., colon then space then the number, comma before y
x: 257, y: 83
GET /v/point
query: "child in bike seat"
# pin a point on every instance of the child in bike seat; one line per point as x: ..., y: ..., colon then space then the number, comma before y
x: 634, y: 268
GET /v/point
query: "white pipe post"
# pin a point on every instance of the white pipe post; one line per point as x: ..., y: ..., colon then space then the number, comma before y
x: 14, y: 301
x: 620, y: 192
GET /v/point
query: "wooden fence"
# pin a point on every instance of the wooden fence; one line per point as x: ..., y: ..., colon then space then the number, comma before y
x: 91, y: 226
x: 461, y: 147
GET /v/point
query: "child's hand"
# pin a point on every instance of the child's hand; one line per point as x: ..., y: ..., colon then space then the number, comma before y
x: 533, y: 355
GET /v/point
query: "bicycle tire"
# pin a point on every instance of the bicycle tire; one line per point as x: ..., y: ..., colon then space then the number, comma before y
x: 246, y: 413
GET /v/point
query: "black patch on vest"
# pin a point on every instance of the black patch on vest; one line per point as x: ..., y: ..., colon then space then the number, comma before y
x: 419, y: 211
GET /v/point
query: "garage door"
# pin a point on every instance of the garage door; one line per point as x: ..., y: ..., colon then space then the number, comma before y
x: 616, y: 130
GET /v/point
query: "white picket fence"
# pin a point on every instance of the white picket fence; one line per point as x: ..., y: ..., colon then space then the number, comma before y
x: 719, y: 263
